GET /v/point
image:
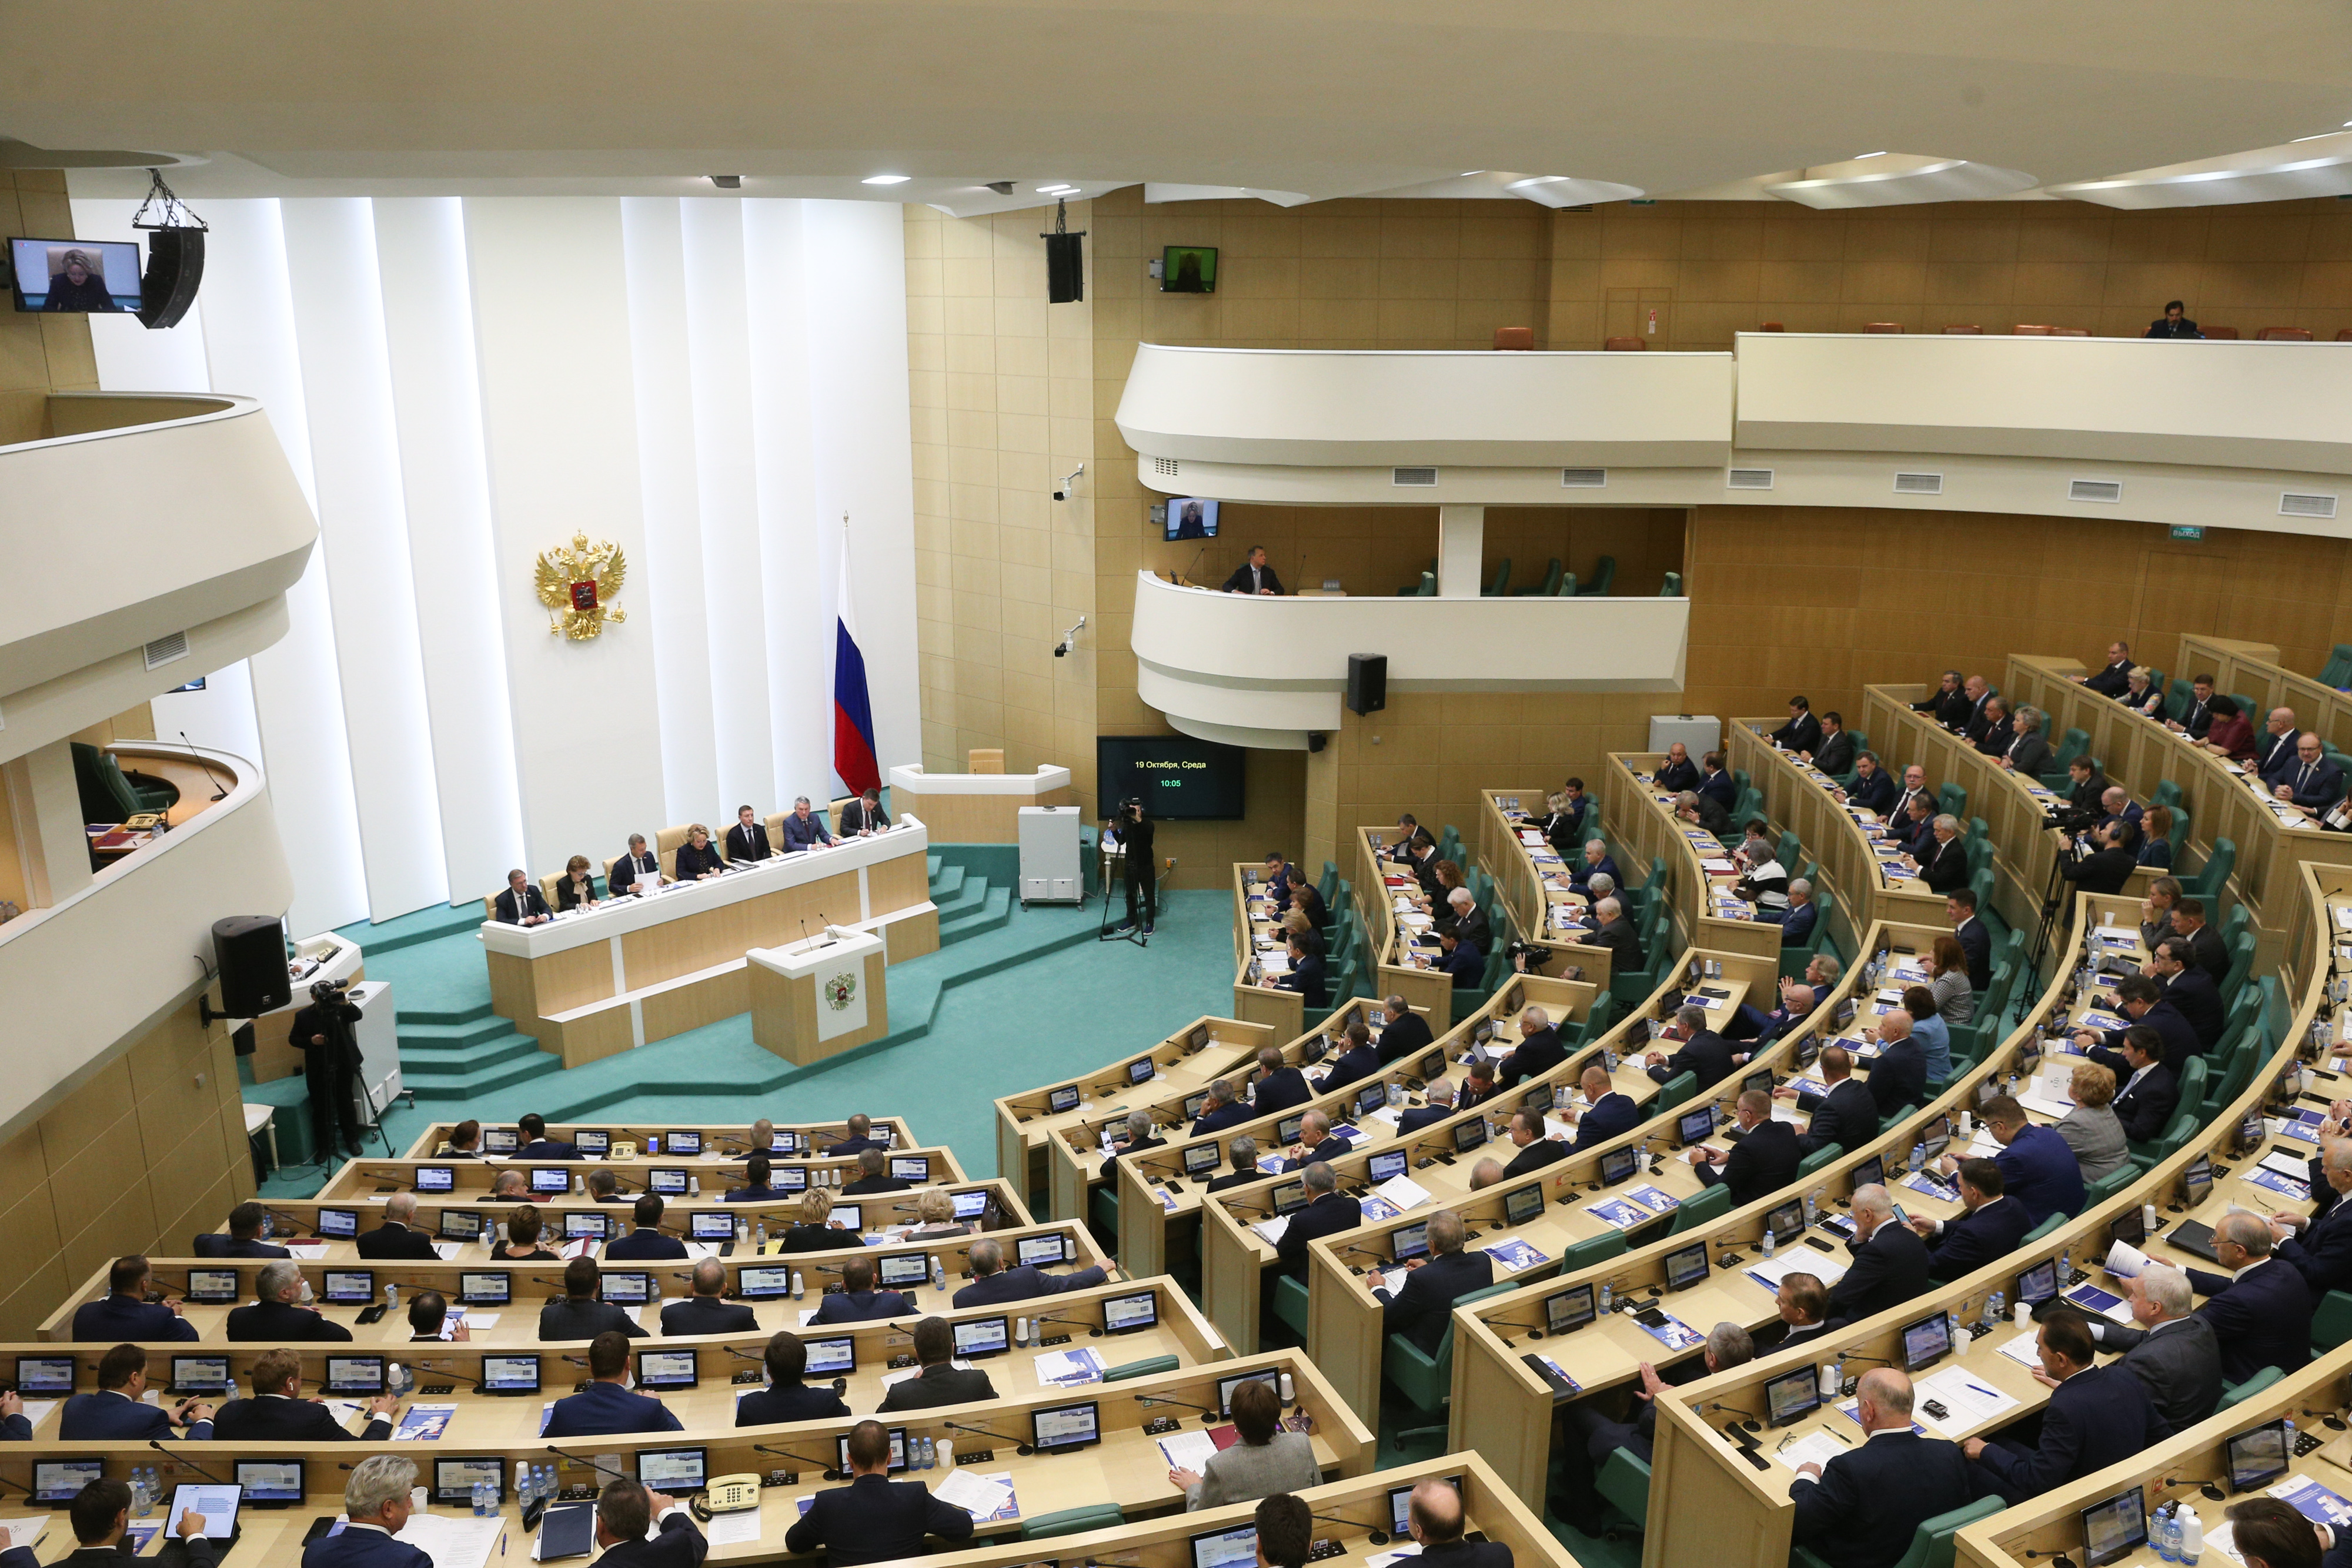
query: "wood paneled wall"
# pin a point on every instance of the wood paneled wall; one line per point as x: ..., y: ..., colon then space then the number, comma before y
x: 39, y: 354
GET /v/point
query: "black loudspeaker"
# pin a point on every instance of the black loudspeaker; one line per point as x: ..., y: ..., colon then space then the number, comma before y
x: 1066, y: 269
x: 250, y: 952
x: 1368, y: 683
x: 176, y: 266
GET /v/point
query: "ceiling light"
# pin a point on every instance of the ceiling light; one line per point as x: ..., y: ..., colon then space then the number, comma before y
x: 885, y: 179
x: 726, y: 182
x: 1860, y: 156
x: 1057, y: 185
x: 1467, y: 173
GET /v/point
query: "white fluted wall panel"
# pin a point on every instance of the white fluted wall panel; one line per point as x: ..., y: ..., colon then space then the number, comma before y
x: 797, y: 587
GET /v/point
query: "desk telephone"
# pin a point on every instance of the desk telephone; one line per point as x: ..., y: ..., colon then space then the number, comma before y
x: 729, y: 1494
x: 618, y: 1150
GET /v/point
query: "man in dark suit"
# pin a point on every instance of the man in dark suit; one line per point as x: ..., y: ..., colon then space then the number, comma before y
x: 1536, y: 1150
x: 2198, y: 720
x: 1898, y: 1075
x: 1221, y: 1109
x: 2141, y: 1000
x: 532, y: 1129
x: 1942, y: 860
x: 1717, y: 783
x: 1992, y: 1228
x: 2087, y: 787
x: 757, y: 1170
x: 805, y: 828
x: 1702, y: 1052
x: 995, y: 1285
x: 117, y: 1411
x: 1947, y: 704
x: 244, y: 1238
x: 1890, y: 1262
x: 2173, y: 323
x: 1356, y: 1063
x: 2206, y: 948
x: 1616, y: 933
x: 523, y: 903
x: 1862, y: 1509
x: 606, y: 1407
x: 864, y: 815
x: 857, y: 1301
x: 1989, y: 731
x: 2115, y: 677
x: 1253, y: 576
x: 2173, y: 1350
x: 2148, y: 1093
x: 1457, y: 958
x: 375, y: 1509
x: 646, y: 1242
x: 1434, y: 1519
x: 1328, y: 1212
x: 1677, y: 772
x: 1803, y: 733
x: 1539, y: 1050
x: 1764, y: 1160
x: 1874, y: 788
x: 1606, y: 1115
x: 1440, y: 1095
x: 1141, y: 1133
x: 2320, y: 1246
x: 639, y: 865
x: 397, y: 1236
x: 707, y: 1311
x: 2259, y: 1308
x: 2312, y: 780
x: 1244, y: 1154
x: 1596, y: 862
x: 1752, y: 1024
x: 787, y: 1397
x: 1833, y: 753
x: 1846, y: 1115
x: 859, y: 1131
x: 2038, y: 1170
x: 2096, y: 1416
x: 874, y: 1519
x: 1805, y: 1306
x: 2189, y: 990
x: 1405, y: 1033
x: 874, y: 1178
x: 1703, y: 811
x: 1304, y: 973
x: 278, y: 1413
x: 277, y: 1318
x: 2275, y: 747
x: 1279, y: 1086
x: 1422, y: 1304
x: 580, y: 1315
x: 748, y: 839
x: 1316, y: 1141
x: 1974, y: 938
x: 941, y: 1382
x: 627, y: 1510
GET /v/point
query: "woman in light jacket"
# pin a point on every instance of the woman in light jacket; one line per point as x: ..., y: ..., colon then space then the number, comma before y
x: 2091, y: 1129
x: 1266, y: 1461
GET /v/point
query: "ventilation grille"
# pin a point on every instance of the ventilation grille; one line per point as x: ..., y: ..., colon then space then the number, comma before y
x: 1583, y: 478
x: 1918, y: 484
x: 1165, y: 467
x: 1747, y: 479
x: 163, y: 649
x: 1415, y: 475
x: 2294, y: 506
x: 2095, y: 489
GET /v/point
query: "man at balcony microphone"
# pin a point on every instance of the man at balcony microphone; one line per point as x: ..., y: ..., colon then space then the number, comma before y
x: 1253, y: 576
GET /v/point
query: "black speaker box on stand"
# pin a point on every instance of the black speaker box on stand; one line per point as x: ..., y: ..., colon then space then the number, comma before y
x: 1368, y: 683
x: 176, y: 266
x: 1066, y: 268
x: 250, y: 952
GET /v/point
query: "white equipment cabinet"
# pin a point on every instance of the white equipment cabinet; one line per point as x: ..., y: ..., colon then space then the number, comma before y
x: 379, y: 1042
x: 1699, y: 732
x: 1049, y: 855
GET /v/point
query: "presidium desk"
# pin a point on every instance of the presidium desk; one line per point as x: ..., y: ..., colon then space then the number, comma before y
x: 598, y: 981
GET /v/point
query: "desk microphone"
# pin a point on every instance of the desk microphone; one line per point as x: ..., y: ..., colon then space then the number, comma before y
x: 1094, y: 1331
x: 1186, y: 574
x: 1019, y: 1446
x: 451, y: 1370
x: 159, y: 1447
x: 1379, y: 1537
x: 220, y: 790
x: 1534, y: 1330
x: 21, y: 1487
x: 804, y: 935
x: 831, y: 1474
x: 1209, y: 1413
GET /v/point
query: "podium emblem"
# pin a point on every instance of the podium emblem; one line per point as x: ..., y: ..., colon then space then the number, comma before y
x: 841, y: 990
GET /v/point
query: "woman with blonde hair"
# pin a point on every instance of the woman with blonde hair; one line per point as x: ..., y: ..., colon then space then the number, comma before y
x: 2091, y: 1129
x: 815, y: 1232
x: 936, y: 1208
x: 698, y: 857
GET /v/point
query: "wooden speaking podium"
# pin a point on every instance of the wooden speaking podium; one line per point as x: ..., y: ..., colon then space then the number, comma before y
x: 820, y: 998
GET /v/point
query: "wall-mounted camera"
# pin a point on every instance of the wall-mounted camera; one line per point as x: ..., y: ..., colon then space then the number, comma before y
x: 1062, y: 490
x: 1069, y: 639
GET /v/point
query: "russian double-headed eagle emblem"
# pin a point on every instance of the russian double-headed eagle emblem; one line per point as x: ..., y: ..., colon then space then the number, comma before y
x: 578, y: 583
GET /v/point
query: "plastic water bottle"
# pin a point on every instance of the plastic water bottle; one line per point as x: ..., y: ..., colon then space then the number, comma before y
x: 939, y: 1273
x: 391, y: 1298
x: 1606, y: 1296
x: 799, y: 1288
x: 1996, y: 1307
x: 2167, y: 1543
x: 1918, y: 1157
x: 1766, y: 1245
x: 1812, y: 1208
x: 141, y: 1500
x: 2192, y: 1536
x: 760, y: 1232
x: 526, y: 1477
x: 1609, y: 1057
x: 476, y: 1499
x: 2066, y: 1270
x: 930, y: 1454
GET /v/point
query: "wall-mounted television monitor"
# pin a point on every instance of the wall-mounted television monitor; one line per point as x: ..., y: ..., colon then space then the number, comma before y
x: 1186, y: 518
x: 1177, y: 778
x: 1188, y: 269
x: 88, y: 277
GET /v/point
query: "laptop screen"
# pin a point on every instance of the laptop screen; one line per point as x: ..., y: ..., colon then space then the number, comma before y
x: 1409, y: 1241
x: 1225, y: 1386
x: 1142, y: 1070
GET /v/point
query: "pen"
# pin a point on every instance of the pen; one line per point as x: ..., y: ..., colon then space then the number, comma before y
x: 1841, y: 1437
x: 1986, y: 1392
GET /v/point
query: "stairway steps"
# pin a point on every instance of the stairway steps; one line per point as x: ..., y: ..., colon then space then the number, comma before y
x: 484, y: 1083
x: 513, y: 1046
x: 994, y: 910
x: 429, y: 1016
x: 452, y: 1037
x: 948, y: 883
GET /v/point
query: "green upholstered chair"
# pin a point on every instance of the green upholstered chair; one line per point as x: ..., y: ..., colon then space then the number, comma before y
x: 1426, y: 1378
x: 1674, y: 1091
x: 1672, y: 586
x: 2212, y: 878
x: 1818, y: 1160
x: 1600, y: 1249
x: 1074, y: 1521
x: 1933, y: 1545
x: 1708, y: 1203
x: 1603, y: 574
x: 2337, y: 671
x: 2047, y: 1228
x: 1502, y: 583
x: 1150, y: 1366
x: 2331, y: 1321
x: 1550, y: 587
x: 2233, y: 1395
x: 1624, y: 1482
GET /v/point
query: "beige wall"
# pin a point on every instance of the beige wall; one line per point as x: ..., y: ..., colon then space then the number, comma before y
x: 41, y: 353
x: 148, y: 1150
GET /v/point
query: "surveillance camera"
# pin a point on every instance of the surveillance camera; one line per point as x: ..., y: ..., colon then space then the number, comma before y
x: 1062, y: 648
x: 1062, y: 490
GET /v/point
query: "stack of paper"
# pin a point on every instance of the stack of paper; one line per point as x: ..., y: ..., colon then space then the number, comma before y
x: 987, y: 1499
x: 740, y: 1527
x: 1403, y: 1192
x: 2022, y: 1348
x: 1971, y: 1401
x: 1768, y: 1274
x: 1815, y: 1448
x: 1068, y: 1368
x: 1190, y: 1451
x: 24, y: 1531
x: 453, y: 1541
x: 1271, y: 1228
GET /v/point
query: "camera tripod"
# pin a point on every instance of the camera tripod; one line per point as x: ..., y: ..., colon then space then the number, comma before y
x: 2053, y: 898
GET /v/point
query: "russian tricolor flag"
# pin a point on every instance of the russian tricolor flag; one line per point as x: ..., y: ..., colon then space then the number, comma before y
x: 853, y: 715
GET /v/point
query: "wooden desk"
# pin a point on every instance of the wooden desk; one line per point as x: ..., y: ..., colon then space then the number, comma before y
x: 1533, y: 884
x: 1842, y: 839
x: 366, y: 1180
x: 1425, y: 990
x: 1204, y: 1049
x: 977, y: 808
x: 1259, y: 947
x: 638, y: 969
x: 1707, y: 914
x: 434, y: 1138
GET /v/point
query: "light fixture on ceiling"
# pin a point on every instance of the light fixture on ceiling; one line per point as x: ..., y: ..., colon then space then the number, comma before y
x: 885, y: 179
x: 1059, y: 188
x: 1860, y: 156
x: 726, y: 182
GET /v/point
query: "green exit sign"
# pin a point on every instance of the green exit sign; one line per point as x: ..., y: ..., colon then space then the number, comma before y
x: 2184, y: 531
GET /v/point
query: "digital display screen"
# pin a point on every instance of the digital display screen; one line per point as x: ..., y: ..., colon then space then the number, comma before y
x: 666, y: 1180
x: 212, y: 1285
x: 595, y: 1145
x: 1409, y: 1241
x: 901, y: 1270
x: 1060, y: 1428
x: 1200, y: 1159
x: 587, y: 1223
x: 270, y: 1481
x: 1926, y: 1341
x: 454, y: 1480
x: 215, y: 1504
x: 1785, y: 1221
x: 1870, y: 1172
x: 461, y: 1224
x: 898, y: 1451
x: 672, y: 1470
x: 631, y: 1288
x: 485, y: 1289
x: 1757, y: 1082
x: 982, y: 1336
x: 1037, y: 1251
x: 1568, y: 1310
x: 500, y: 1140
x: 354, y: 1374
x: 912, y: 1167
x: 1469, y: 1135
x: 1065, y: 1098
x: 1177, y: 778
x: 708, y: 1225
x: 665, y: 1369
x: 972, y: 1204
x: 60, y: 1481
x: 2197, y: 1181
x: 1695, y: 1126
x: 2258, y: 1458
x: 108, y: 282
x: 44, y: 1374
x: 1188, y: 517
x: 1286, y: 1131
x: 1525, y: 1204
x: 1225, y: 1386
x: 832, y: 1357
x: 1125, y: 1314
x: 340, y: 1224
x: 1142, y: 1070
x: 2038, y: 1284
x: 348, y: 1287
x: 549, y: 1179
x: 679, y: 1141
x: 1686, y: 1267
x: 2114, y: 1529
x: 848, y: 1216
x: 1788, y: 1397
x: 765, y: 1282
x: 436, y: 1178
x: 200, y: 1373
x: 1619, y: 1165
x: 2130, y: 1228
x: 1387, y: 1164
x: 1225, y: 1548
x: 792, y: 1178
x: 1371, y: 1097
x: 511, y: 1373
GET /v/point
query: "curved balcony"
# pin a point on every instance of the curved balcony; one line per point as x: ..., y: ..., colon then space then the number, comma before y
x: 1256, y: 670
x: 143, y: 518
x: 100, y: 964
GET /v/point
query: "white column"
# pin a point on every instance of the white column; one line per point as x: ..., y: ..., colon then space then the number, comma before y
x: 338, y: 300
x: 652, y: 236
x: 437, y: 408
x: 249, y: 346
x: 1461, y: 542
x: 551, y: 330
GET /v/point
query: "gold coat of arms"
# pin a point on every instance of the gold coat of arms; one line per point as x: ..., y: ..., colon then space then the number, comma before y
x: 578, y: 583
x: 839, y: 991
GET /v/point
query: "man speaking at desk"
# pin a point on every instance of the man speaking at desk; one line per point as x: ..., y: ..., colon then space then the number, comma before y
x: 1253, y: 576
x: 805, y: 829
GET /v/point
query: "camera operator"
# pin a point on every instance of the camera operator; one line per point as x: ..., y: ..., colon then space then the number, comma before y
x: 330, y: 1056
x: 1132, y: 829
x: 2107, y: 868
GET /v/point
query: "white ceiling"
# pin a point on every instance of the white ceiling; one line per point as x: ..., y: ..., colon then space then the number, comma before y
x: 1295, y: 98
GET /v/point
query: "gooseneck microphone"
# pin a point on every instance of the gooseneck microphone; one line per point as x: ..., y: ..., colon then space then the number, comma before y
x: 220, y: 790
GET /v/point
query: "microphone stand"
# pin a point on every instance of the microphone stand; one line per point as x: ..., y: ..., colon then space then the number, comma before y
x: 220, y: 790
x: 1379, y: 1537
x: 1019, y: 1446
x: 830, y: 1473
x: 157, y: 1445
x: 1210, y: 1414
x: 1094, y: 1331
